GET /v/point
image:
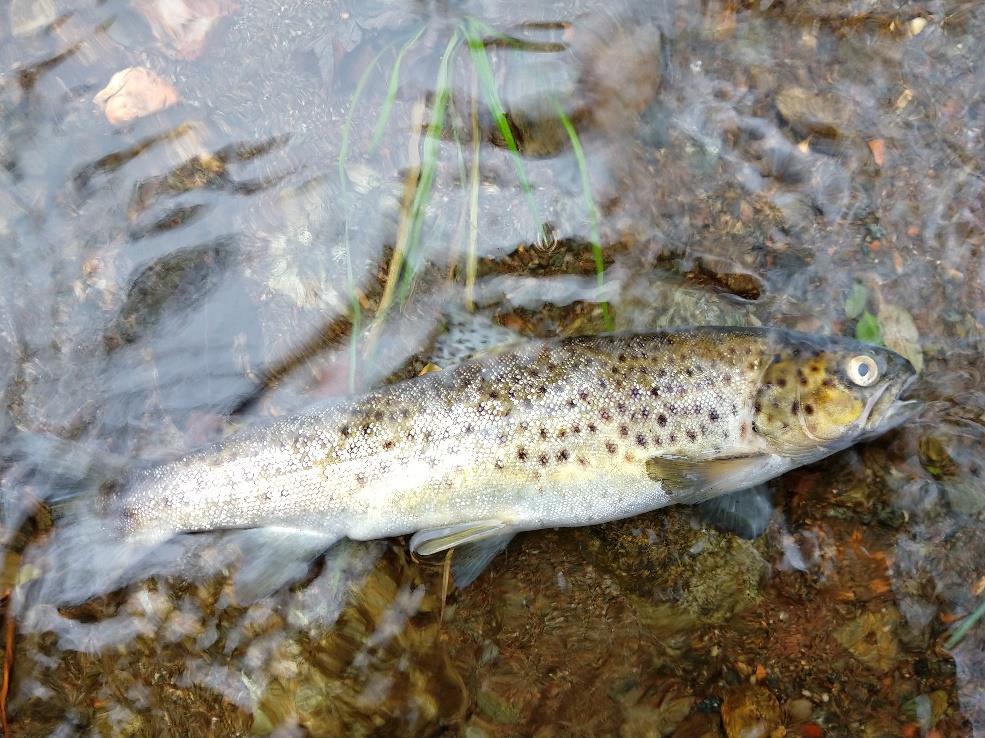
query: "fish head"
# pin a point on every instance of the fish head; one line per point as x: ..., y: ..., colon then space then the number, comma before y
x: 826, y: 393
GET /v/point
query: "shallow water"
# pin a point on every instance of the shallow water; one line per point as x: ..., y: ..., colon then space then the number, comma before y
x: 331, y: 180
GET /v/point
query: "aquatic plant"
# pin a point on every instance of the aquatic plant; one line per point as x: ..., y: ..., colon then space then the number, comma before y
x: 442, y: 118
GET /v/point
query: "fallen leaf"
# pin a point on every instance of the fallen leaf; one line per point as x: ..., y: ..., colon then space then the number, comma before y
x: 900, y: 333
x: 133, y: 93
x: 871, y: 639
x: 868, y: 329
x: 857, y: 298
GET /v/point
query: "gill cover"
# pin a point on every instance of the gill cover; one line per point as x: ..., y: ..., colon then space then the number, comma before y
x: 825, y: 393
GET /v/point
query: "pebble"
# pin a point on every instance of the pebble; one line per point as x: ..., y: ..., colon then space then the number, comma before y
x: 133, y: 93
x: 800, y: 709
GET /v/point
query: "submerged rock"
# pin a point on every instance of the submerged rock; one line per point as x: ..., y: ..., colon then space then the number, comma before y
x: 751, y: 712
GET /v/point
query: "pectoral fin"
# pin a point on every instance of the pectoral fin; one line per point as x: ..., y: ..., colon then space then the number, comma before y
x: 696, y: 481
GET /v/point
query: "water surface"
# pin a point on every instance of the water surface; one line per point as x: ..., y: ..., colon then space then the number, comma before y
x: 330, y: 182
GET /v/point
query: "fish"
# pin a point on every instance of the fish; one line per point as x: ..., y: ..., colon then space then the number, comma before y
x: 544, y: 434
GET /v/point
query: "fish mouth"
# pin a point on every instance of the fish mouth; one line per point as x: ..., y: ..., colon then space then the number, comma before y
x: 889, y: 409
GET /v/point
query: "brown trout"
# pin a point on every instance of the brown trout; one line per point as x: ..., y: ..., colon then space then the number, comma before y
x: 556, y: 433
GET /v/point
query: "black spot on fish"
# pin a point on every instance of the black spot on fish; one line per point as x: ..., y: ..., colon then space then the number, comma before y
x: 499, y: 464
x: 827, y: 382
x: 623, y: 430
x: 727, y: 379
x: 689, y: 371
x: 494, y: 395
x: 691, y: 434
x: 713, y: 415
x: 468, y: 427
x: 621, y: 408
x: 635, y: 392
x: 795, y: 407
x: 543, y: 433
x: 654, y: 391
x: 562, y: 455
x: 704, y: 429
x: 543, y: 459
x: 621, y: 357
x: 809, y: 409
x: 605, y: 415
x: 521, y: 453
x: 661, y: 420
x: 610, y: 447
x: 345, y: 430
x: 673, y: 438
x: 542, y: 390
x: 602, y: 384
x: 378, y: 415
x: 781, y: 382
x: 658, y: 441
x: 583, y: 395
x: 641, y: 440
x: 562, y: 433
x: 582, y: 461
x: 571, y: 403
x: 387, y: 445
x: 576, y: 428
x: 661, y: 372
x: 404, y: 412
x: 758, y: 406
x: 592, y: 428
x: 645, y: 412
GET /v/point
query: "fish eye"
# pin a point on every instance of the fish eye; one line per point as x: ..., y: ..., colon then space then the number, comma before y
x: 863, y: 370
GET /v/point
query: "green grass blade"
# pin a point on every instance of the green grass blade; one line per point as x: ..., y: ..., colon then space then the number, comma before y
x: 391, y: 92
x: 966, y: 625
x: 590, y: 206
x: 355, y: 307
x: 487, y: 83
x: 429, y: 163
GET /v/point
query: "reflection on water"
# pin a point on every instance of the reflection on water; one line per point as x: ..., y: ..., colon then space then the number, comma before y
x: 285, y: 206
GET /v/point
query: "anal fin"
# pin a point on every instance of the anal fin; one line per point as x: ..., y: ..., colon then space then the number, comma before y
x: 469, y: 561
x: 476, y: 543
x: 435, y: 540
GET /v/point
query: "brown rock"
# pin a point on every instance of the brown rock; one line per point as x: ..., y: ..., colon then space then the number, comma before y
x: 183, y: 26
x: 750, y: 712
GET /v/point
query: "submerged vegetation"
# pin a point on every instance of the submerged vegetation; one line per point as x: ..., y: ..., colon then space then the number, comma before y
x: 448, y: 117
